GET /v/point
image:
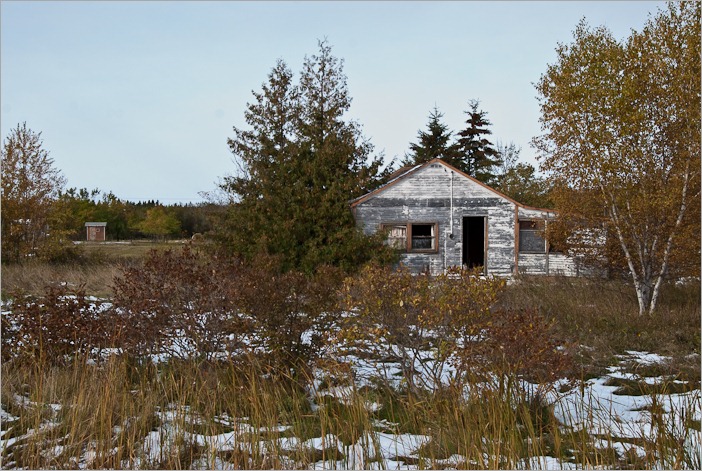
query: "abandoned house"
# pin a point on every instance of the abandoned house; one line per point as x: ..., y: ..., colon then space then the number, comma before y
x: 95, y: 231
x: 439, y: 217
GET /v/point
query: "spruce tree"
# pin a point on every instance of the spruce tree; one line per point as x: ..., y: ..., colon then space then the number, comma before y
x: 301, y: 162
x: 478, y: 157
x: 433, y: 143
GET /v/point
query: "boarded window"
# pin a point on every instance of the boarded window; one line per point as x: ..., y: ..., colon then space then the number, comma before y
x: 397, y: 235
x: 531, y: 237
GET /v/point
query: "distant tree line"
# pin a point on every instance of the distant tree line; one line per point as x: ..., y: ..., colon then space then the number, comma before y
x: 40, y: 218
x: 132, y: 220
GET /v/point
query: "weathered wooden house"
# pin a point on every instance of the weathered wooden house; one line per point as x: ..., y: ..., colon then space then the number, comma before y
x: 439, y: 217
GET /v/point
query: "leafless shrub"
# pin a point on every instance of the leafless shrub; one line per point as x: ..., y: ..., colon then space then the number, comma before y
x: 291, y: 312
x: 61, y: 323
x: 182, y: 303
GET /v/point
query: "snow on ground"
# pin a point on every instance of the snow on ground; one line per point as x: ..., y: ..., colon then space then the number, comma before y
x: 616, y: 421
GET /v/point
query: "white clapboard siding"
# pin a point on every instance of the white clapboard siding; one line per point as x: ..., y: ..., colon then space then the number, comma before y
x: 426, y: 194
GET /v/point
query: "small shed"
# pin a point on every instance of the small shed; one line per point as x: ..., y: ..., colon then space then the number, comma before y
x: 438, y: 217
x: 95, y: 231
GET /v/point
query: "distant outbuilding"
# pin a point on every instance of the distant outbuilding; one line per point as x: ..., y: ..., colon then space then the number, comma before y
x: 95, y: 231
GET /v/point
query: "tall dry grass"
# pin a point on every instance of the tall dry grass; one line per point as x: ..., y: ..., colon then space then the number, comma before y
x: 33, y: 278
x: 129, y: 414
x: 603, y: 314
x: 93, y: 264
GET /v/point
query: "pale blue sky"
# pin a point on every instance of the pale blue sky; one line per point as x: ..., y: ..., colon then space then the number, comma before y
x: 140, y: 97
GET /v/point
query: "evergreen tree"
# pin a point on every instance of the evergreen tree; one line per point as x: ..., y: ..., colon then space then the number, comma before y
x: 261, y: 193
x: 337, y: 166
x: 433, y: 143
x: 478, y: 158
x: 300, y: 164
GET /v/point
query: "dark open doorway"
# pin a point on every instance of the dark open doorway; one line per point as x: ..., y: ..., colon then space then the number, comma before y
x: 474, y: 241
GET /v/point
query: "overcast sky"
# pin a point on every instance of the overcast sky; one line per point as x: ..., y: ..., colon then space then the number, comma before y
x: 139, y: 98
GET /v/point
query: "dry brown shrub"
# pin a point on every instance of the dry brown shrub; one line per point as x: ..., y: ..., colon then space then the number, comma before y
x: 181, y: 303
x: 525, y: 343
x: 189, y: 304
x: 426, y: 323
x: 61, y: 323
x: 290, y: 312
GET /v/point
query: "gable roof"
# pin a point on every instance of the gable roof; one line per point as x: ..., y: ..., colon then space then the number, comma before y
x: 405, y: 172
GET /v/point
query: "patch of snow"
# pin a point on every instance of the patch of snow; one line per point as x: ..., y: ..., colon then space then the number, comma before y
x: 6, y: 416
x: 324, y: 443
x: 646, y: 358
x: 396, y: 446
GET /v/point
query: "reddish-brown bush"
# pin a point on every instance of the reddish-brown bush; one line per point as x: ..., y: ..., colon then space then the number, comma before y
x: 523, y: 342
x: 188, y: 304
x: 181, y: 303
x: 57, y: 325
x: 290, y: 312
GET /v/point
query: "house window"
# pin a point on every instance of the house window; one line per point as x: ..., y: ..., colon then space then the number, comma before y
x: 412, y: 237
x: 423, y: 237
x: 531, y: 237
x: 397, y: 236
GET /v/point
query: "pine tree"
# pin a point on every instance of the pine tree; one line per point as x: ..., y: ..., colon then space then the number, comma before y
x: 337, y: 166
x: 433, y: 143
x: 300, y: 164
x: 478, y: 158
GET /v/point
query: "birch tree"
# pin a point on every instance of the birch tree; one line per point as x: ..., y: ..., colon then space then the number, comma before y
x: 621, y: 142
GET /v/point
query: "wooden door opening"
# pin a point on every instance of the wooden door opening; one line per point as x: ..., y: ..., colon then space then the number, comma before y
x: 474, y: 241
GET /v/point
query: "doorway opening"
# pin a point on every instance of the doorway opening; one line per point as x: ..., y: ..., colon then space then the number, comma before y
x: 474, y: 241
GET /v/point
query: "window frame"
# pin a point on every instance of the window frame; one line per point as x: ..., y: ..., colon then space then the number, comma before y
x: 387, y: 226
x: 538, y: 231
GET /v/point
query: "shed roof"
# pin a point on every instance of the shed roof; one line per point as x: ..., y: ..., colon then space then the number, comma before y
x: 95, y: 224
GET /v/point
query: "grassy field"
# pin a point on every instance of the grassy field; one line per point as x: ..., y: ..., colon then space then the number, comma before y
x: 96, y: 266
x: 125, y: 250
x: 229, y: 415
x: 128, y: 412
